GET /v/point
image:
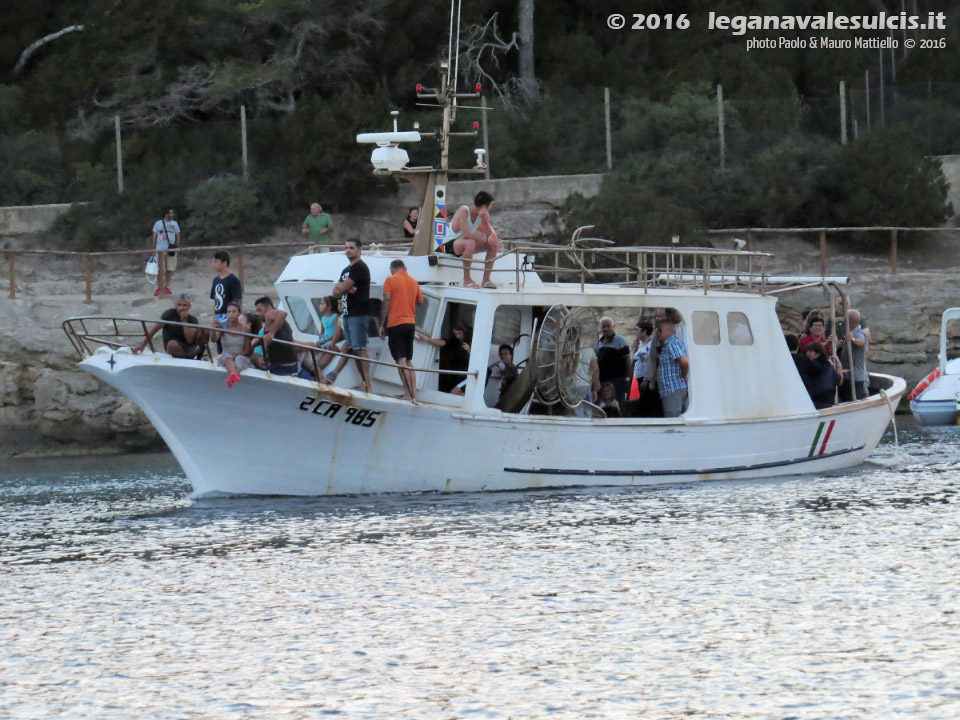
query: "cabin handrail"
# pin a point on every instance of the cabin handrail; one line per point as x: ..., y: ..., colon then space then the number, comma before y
x: 79, y: 340
x: 640, y: 266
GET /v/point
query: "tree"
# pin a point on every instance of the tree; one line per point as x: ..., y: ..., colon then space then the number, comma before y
x: 886, y: 178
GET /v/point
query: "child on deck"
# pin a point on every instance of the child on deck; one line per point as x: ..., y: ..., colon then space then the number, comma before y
x: 608, y: 400
x: 507, y: 370
x: 330, y: 332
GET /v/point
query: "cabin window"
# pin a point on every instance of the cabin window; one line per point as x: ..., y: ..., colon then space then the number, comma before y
x: 301, y: 314
x: 738, y: 329
x: 427, y: 314
x: 706, y: 327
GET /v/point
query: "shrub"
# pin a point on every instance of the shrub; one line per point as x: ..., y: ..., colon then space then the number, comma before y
x: 885, y: 178
x: 221, y: 209
x: 628, y: 214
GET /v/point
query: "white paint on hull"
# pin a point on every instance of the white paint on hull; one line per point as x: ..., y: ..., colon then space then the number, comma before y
x: 265, y: 436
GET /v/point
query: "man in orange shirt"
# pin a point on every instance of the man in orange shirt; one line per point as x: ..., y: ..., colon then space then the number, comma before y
x: 401, y: 295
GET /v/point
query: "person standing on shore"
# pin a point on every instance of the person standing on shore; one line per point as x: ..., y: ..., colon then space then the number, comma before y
x: 166, y: 236
x: 318, y: 225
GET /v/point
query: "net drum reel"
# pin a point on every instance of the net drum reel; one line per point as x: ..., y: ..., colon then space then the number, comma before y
x: 563, y: 356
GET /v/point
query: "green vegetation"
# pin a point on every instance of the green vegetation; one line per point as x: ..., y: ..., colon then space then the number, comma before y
x: 313, y: 73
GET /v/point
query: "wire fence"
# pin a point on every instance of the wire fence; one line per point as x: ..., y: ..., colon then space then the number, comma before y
x: 92, y: 270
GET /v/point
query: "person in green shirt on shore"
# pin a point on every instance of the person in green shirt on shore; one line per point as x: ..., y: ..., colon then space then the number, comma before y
x: 318, y: 225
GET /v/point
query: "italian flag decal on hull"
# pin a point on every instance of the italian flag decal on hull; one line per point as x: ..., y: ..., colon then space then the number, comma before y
x: 826, y: 438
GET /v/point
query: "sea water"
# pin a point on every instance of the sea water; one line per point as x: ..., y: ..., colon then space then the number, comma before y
x: 801, y: 597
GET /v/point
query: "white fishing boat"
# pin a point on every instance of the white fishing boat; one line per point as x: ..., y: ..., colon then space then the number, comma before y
x: 748, y: 413
x: 936, y: 399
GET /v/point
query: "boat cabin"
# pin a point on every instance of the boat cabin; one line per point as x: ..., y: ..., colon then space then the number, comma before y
x: 740, y: 367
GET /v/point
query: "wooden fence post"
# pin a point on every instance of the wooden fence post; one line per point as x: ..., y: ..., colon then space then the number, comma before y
x: 606, y: 120
x: 893, y: 251
x: 11, y: 265
x: 823, y: 253
x: 88, y: 276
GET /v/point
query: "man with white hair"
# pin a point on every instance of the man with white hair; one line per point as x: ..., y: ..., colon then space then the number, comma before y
x: 855, y: 347
x: 613, y: 359
x: 318, y: 225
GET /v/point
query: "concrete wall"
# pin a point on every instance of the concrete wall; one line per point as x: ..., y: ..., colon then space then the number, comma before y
x: 23, y: 219
x: 523, y: 206
x: 545, y: 193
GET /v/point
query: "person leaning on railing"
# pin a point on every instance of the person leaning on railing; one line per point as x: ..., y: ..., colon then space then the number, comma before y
x: 179, y: 341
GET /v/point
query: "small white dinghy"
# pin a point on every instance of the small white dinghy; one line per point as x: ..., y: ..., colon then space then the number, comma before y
x: 936, y: 399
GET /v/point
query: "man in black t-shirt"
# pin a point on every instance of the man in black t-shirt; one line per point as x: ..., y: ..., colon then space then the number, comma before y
x: 353, y: 289
x: 179, y: 341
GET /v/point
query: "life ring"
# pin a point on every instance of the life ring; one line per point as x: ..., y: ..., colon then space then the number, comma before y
x: 924, y: 384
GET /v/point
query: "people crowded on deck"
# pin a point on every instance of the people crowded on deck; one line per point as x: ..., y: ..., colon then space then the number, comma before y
x: 353, y: 291
x: 613, y: 359
x: 398, y: 322
x: 818, y: 370
x: 254, y: 325
x: 647, y: 400
x: 471, y: 232
x: 656, y: 345
x: 225, y: 288
x: 454, y: 355
x: 236, y: 348
x: 673, y: 369
x: 410, y: 223
x: 281, y: 357
x: 607, y: 400
x: 330, y: 332
x: 816, y: 332
x: 854, y: 354
x: 843, y: 305
x: 504, y: 368
x: 179, y: 341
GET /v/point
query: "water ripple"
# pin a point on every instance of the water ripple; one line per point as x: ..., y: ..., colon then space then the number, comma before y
x: 802, y: 597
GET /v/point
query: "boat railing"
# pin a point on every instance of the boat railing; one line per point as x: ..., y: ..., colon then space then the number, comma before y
x: 122, y: 332
x: 644, y: 267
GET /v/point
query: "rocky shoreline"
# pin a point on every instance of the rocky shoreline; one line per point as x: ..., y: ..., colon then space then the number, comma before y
x: 49, y: 408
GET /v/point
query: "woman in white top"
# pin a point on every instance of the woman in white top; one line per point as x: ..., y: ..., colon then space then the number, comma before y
x: 648, y: 403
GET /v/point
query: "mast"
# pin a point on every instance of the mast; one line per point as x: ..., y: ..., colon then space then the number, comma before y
x: 430, y: 182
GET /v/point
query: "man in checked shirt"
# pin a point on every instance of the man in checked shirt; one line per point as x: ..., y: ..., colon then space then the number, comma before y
x: 673, y: 370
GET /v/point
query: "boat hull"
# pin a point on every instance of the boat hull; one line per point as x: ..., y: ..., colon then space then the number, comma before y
x: 284, y: 436
x: 935, y: 412
x: 937, y: 404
